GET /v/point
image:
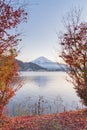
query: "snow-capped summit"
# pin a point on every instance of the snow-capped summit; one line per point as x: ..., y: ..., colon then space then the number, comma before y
x: 41, y: 64
x: 41, y: 60
x: 46, y: 63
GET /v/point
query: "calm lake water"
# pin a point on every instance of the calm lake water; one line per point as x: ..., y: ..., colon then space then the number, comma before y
x: 48, y: 88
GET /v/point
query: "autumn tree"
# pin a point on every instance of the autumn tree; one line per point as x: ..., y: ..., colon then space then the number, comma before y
x: 10, y: 18
x: 74, y: 52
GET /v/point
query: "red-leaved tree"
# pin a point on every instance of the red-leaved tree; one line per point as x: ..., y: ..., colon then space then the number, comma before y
x: 74, y: 52
x: 10, y: 18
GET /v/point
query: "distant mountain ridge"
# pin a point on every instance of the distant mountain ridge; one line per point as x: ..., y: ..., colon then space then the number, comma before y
x: 46, y: 63
x: 41, y: 64
x: 29, y: 66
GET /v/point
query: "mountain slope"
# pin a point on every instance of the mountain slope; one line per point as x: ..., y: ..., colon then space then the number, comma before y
x: 29, y: 66
x: 48, y: 64
x: 41, y: 64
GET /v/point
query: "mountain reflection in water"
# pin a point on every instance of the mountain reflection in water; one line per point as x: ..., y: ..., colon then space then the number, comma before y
x: 40, y: 81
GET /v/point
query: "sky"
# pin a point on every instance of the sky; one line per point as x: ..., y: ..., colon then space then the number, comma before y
x: 40, y: 33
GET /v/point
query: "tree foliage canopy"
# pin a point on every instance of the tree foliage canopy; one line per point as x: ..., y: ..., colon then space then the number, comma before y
x: 10, y: 18
x: 74, y: 53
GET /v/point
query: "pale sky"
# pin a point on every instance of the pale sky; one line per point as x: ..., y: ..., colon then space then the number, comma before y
x: 39, y: 34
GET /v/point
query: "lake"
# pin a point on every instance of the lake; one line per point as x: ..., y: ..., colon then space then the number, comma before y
x: 50, y: 90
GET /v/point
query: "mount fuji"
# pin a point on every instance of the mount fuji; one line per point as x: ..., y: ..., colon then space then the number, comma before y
x: 41, y: 64
x: 48, y: 64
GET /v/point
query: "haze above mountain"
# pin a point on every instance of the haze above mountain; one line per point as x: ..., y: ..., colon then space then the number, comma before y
x: 41, y: 64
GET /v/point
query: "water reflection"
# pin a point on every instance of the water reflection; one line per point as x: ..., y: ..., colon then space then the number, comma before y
x: 46, y: 84
x: 40, y: 81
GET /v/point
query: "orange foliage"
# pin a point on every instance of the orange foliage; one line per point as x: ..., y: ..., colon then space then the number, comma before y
x: 10, y: 17
x: 71, y: 120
